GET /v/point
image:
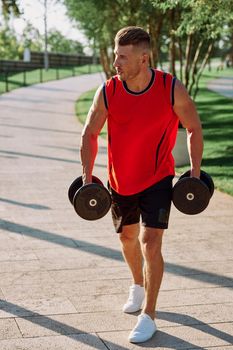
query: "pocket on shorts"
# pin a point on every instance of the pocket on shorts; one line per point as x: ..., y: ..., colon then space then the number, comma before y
x: 116, y: 216
x: 163, y: 216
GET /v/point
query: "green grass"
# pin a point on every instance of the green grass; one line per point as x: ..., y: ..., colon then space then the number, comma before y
x: 216, y: 115
x: 33, y: 77
x: 82, y: 107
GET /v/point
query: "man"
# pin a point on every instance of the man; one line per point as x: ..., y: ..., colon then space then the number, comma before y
x: 143, y: 107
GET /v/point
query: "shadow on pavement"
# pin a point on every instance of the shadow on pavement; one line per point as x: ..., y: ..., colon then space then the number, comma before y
x: 44, y: 111
x: 26, y: 205
x: 6, y: 136
x: 55, y: 326
x: 36, y: 156
x: 44, y: 87
x: 19, y: 98
x: 41, y: 129
x: 113, y: 254
x: 186, y: 320
x: 160, y: 339
x: 101, y: 149
x: 199, y: 275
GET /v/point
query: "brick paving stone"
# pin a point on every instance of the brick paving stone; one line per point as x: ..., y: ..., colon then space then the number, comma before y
x: 73, y: 342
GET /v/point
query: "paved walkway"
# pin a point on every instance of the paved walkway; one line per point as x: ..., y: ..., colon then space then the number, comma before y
x: 62, y: 279
x: 223, y: 86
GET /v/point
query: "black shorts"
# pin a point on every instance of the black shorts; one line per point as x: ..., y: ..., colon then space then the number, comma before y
x: 151, y: 205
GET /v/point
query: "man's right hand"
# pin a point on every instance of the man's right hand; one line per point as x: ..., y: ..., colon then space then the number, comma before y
x: 86, y: 179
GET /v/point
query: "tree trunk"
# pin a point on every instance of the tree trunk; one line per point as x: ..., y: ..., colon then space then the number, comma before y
x: 105, y: 61
x: 180, y: 60
x: 172, y: 47
x: 231, y: 50
x: 155, y: 31
x: 205, y: 60
x: 194, y: 66
x: 133, y: 5
x: 187, y: 59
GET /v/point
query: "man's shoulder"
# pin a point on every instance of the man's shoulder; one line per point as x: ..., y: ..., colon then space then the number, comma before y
x: 112, y: 83
x: 162, y: 72
x: 112, y: 79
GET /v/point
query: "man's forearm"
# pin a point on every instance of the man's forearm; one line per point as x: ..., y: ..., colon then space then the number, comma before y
x: 195, y: 148
x: 88, y: 152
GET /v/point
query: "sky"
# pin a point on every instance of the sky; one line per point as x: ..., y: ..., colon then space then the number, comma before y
x: 56, y: 18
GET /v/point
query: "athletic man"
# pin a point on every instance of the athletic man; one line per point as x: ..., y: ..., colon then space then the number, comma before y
x: 142, y: 107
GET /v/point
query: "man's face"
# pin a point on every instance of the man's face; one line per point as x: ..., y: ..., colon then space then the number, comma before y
x: 128, y: 61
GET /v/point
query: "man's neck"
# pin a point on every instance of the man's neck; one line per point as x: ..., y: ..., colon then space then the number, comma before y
x: 140, y: 82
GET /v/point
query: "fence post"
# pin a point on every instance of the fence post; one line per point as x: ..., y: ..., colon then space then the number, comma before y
x: 41, y: 75
x: 6, y: 82
x: 24, y: 78
x: 57, y: 73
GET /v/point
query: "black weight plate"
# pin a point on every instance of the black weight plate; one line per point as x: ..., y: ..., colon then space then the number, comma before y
x: 77, y: 183
x: 206, y: 178
x: 208, y: 181
x: 92, y: 201
x: 96, y: 180
x: 186, y: 174
x: 190, y: 195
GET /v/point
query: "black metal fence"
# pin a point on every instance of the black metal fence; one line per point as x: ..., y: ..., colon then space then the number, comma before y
x: 60, y: 66
x: 60, y: 60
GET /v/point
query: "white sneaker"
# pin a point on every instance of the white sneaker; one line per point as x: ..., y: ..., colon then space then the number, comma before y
x: 135, y: 300
x: 144, y: 329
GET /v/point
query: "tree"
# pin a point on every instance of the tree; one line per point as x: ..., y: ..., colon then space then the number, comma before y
x: 31, y: 38
x: 10, y: 7
x: 183, y: 30
x: 100, y: 20
x: 201, y: 26
x: 59, y: 43
x: 9, y: 46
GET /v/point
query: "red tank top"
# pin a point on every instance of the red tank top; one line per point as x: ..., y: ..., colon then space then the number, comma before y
x: 142, y: 128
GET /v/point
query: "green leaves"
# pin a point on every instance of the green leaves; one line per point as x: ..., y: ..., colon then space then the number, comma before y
x: 59, y: 43
x: 10, y: 7
x: 204, y: 17
x: 9, y: 46
x: 177, y: 27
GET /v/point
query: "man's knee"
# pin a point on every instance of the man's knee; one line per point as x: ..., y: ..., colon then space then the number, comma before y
x: 129, y: 234
x: 151, y: 242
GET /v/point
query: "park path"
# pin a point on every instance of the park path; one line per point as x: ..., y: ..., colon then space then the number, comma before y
x: 223, y: 86
x: 62, y: 279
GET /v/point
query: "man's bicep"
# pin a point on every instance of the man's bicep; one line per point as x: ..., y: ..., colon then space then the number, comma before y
x: 184, y: 107
x: 97, y: 114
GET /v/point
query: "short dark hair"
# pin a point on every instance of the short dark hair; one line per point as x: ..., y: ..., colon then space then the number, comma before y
x: 133, y: 35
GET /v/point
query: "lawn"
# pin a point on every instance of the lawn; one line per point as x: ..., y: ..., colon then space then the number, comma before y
x: 41, y: 75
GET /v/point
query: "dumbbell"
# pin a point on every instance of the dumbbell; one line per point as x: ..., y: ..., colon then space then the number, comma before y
x: 192, y: 195
x: 91, y: 201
